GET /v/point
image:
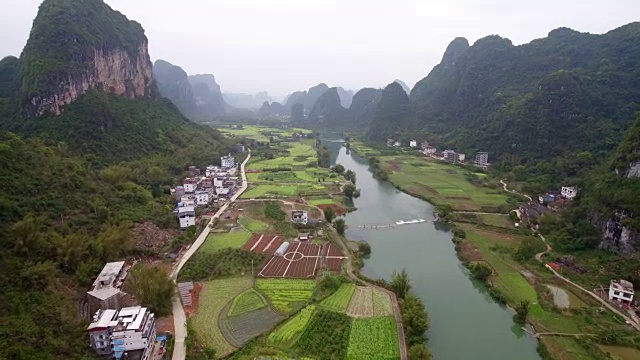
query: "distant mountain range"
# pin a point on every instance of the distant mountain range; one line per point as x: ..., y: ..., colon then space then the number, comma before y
x: 247, y: 101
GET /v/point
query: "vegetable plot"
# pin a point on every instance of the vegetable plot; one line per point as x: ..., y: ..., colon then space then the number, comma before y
x: 361, y: 304
x: 339, y: 300
x: 381, y: 303
x: 247, y: 301
x: 292, y: 328
x: 373, y: 338
x: 285, y: 294
x: 326, y: 336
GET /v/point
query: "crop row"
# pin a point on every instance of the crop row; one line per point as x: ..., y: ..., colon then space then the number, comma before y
x: 284, y: 294
x: 247, y: 301
x: 373, y: 338
x: 326, y: 336
x: 292, y: 328
x: 339, y: 300
x: 381, y: 303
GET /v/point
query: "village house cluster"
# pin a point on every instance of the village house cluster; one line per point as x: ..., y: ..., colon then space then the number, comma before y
x: 120, y: 328
x: 451, y: 156
x: 218, y: 183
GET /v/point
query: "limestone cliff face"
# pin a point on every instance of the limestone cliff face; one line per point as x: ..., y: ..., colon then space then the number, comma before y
x: 109, y: 70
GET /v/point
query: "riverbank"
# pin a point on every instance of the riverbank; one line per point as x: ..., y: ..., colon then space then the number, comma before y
x: 515, y: 276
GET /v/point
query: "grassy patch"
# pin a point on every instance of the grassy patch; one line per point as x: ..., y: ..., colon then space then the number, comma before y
x: 326, y: 201
x: 271, y: 190
x: 247, y: 301
x: 252, y: 225
x: 373, y: 338
x: 216, y: 242
x: 286, y: 294
x: 339, y: 300
x: 441, y: 183
x: 289, y: 331
x: 497, y: 220
x: 621, y: 352
x: 215, y: 296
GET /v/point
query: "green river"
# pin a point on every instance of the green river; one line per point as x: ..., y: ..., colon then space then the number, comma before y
x: 465, y: 322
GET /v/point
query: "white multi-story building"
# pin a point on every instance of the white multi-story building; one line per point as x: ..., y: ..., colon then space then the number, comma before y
x: 130, y: 333
x: 450, y: 155
x: 188, y: 200
x: 621, y: 290
x: 106, y: 290
x: 212, y: 170
x: 429, y: 150
x: 190, y: 185
x: 482, y: 158
x: 228, y: 161
x: 413, y: 143
x: 569, y: 192
x: 461, y: 157
x: 204, y: 197
x: 187, y: 216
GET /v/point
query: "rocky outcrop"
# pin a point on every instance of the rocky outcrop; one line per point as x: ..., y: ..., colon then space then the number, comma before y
x: 327, y: 110
x: 273, y: 109
x: 615, y: 236
x: 111, y: 70
x: 208, y: 95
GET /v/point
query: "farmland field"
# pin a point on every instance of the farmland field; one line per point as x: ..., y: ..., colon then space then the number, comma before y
x: 316, y: 202
x: 290, y: 330
x: 252, y: 225
x: 217, y: 242
x: 273, y: 190
x: 247, y: 301
x: 373, y: 338
x: 497, y: 220
x: 339, y: 300
x: 214, y: 297
x: 361, y: 304
x: 286, y: 294
x: 441, y: 183
x: 241, y: 328
x: 256, y: 132
x: 326, y: 336
x: 381, y: 303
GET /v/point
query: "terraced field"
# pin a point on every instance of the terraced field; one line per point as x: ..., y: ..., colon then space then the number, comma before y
x: 339, y: 301
x: 373, y: 338
x: 291, y: 330
x: 286, y: 294
x: 215, y: 295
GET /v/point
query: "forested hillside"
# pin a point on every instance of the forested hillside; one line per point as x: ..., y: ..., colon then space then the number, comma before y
x: 561, y: 94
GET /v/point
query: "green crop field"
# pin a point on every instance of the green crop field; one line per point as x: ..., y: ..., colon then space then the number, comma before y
x: 286, y: 294
x: 252, y: 225
x: 339, y: 300
x: 272, y: 190
x: 497, y: 220
x: 247, y: 301
x: 441, y: 183
x: 215, y: 296
x: 290, y: 330
x: 316, y: 202
x: 373, y: 338
x: 217, y: 242
x: 381, y: 303
x: 257, y: 132
x: 326, y: 336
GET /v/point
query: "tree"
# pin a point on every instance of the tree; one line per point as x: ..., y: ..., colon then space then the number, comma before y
x: 153, y: 288
x: 419, y: 352
x: 414, y: 319
x: 351, y: 176
x: 273, y: 211
x: 329, y: 214
x: 481, y: 272
x: 522, y: 311
x: 400, y: 283
x: 339, y: 225
x: 339, y: 169
x: 350, y: 190
x: 364, y: 248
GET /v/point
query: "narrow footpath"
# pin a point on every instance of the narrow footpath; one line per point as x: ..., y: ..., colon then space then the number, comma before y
x: 540, y: 256
x: 179, y: 316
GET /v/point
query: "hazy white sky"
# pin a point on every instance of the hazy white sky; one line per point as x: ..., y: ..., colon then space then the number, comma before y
x: 286, y: 45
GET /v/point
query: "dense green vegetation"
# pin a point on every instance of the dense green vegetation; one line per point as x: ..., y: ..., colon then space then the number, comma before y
x: 326, y: 336
x: 152, y: 287
x: 286, y: 294
x: 205, y: 265
x: 291, y: 329
x: 373, y: 338
x: 339, y: 300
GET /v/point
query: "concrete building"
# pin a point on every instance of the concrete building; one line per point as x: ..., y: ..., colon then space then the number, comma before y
x: 228, y: 161
x: 239, y: 148
x: 106, y: 291
x: 186, y: 216
x: 413, y: 143
x: 461, y: 157
x: 188, y: 200
x: 299, y: 217
x: 212, y: 170
x: 204, y: 197
x: 429, y: 150
x: 129, y: 333
x: 190, y: 185
x: 482, y: 159
x: 569, y: 192
x: 450, y: 156
x: 621, y: 291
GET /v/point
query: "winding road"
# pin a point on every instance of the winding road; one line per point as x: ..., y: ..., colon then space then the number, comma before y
x: 539, y: 257
x: 179, y: 316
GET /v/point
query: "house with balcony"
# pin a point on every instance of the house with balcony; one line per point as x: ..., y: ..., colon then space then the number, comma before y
x: 129, y: 333
x: 621, y: 291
